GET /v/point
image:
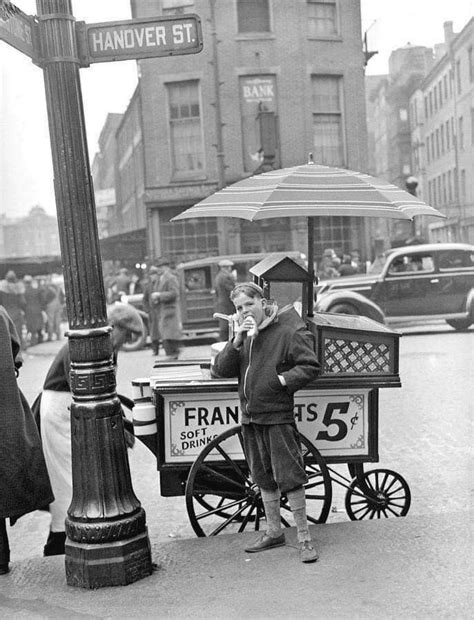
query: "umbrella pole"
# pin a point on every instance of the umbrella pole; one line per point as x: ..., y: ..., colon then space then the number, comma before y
x: 310, y: 267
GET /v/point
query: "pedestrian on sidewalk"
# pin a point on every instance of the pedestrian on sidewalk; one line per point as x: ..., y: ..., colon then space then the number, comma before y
x: 55, y: 422
x: 272, y: 354
x: 223, y: 286
x: 12, y: 298
x: 24, y: 482
x: 165, y: 299
x: 152, y: 308
x: 33, y: 310
x: 53, y: 304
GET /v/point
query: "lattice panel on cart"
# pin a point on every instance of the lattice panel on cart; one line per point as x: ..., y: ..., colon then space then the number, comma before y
x: 355, y: 357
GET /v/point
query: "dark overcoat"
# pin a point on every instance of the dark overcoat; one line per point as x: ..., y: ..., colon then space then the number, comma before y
x: 152, y: 308
x: 24, y: 480
x: 169, y: 310
x: 224, y: 285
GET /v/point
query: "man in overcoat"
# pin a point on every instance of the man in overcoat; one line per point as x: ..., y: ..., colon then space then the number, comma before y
x: 166, y: 298
x: 24, y: 481
x: 152, y: 308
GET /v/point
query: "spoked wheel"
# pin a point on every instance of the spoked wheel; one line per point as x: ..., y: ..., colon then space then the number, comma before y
x: 381, y: 493
x: 222, y: 498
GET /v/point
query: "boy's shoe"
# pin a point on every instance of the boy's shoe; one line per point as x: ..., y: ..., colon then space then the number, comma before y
x: 307, y: 552
x: 266, y: 542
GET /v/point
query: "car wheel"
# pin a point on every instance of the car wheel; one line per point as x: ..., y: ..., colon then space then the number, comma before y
x: 136, y: 342
x: 343, y: 309
x: 459, y: 324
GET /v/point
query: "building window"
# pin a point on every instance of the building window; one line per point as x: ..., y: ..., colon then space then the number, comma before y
x: 470, y: 60
x: 448, y: 137
x: 463, y: 184
x: 253, y: 15
x: 322, y: 18
x: 428, y: 145
x: 472, y: 126
x: 445, y: 82
x: 440, y: 93
x: 426, y: 106
x: 265, y: 236
x: 450, y: 186
x: 176, y: 7
x: 442, y: 138
x: 461, y: 132
x: 187, y: 149
x: 327, y: 120
x: 458, y: 76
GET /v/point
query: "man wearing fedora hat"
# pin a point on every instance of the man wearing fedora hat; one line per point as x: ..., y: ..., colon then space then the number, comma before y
x: 223, y: 287
x: 165, y: 300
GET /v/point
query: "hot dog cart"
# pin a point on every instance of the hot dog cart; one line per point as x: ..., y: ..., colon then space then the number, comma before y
x: 191, y: 422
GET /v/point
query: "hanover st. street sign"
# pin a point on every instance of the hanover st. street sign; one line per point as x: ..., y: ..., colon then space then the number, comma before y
x: 104, y: 42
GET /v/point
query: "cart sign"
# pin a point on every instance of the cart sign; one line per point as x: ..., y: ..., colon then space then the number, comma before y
x: 16, y: 29
x: 139, y: 38
x: 335, y: 421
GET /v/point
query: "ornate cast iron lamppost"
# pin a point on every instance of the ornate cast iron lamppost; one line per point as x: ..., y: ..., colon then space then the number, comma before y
x: 107, y: 540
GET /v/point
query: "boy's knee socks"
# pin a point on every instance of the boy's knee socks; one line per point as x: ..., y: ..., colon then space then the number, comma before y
x: 297, y: 501
x: 271, y: 505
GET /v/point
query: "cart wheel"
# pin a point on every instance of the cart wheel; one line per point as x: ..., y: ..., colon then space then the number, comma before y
x: 221, y: 496
x: 380, y: 493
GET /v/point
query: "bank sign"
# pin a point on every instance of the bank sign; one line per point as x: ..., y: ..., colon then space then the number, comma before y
x: 335, y: 421
x: 139, y: 38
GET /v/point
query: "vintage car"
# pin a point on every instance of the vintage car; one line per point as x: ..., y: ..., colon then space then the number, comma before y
x: 408, y: 284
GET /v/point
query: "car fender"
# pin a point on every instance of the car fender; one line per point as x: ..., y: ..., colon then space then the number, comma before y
x: 363, y: 305
x: 470, y: 303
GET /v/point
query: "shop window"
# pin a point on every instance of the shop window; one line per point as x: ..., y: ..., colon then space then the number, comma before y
x: 188, y: 239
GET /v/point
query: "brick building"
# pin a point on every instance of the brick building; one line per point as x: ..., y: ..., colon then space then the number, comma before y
x: 271, y: 85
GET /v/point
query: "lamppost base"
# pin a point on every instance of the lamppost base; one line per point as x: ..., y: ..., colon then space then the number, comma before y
x: 108, y: 564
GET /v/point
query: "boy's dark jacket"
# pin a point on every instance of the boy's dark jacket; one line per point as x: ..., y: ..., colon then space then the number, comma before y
x: 283, y: 346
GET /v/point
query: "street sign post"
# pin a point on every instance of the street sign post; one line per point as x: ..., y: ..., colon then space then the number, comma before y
x: 138, y: 38
x: 107, y: 539
x: 18, y: 29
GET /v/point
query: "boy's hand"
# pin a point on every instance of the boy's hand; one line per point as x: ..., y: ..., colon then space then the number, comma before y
x: 247, y: 325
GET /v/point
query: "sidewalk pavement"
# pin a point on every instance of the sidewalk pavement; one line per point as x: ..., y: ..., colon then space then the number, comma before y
x: 412, y: 567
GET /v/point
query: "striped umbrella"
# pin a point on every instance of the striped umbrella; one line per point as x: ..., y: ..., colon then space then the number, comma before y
x: 310, y: 190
